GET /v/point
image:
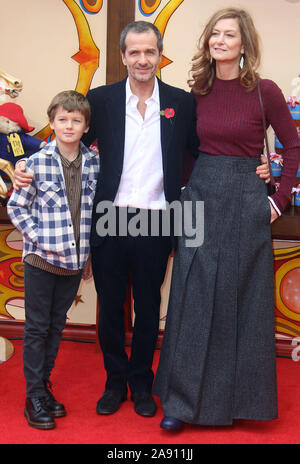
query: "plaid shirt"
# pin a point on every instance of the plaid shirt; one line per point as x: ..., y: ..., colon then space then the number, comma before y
x: 41, y: 212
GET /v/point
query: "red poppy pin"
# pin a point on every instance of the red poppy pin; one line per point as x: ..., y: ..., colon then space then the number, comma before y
x: 168, y: 113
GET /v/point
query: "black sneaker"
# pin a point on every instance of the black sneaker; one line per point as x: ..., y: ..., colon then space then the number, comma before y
x: 37, y: 414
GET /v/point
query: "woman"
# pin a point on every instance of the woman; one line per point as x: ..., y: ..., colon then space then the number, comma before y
x: 217, y: 361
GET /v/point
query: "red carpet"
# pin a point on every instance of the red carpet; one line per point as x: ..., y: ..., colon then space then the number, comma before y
x: 79, y: 381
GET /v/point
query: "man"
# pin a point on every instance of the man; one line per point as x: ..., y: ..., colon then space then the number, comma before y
x: 141, y: 158
x: 141, y: 152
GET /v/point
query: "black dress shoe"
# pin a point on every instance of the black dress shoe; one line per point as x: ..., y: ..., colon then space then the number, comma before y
x: 37, y: 414
x: 110, y: 401
x: 171, y: 423
x: 55, y: 408
x: 144, y: 404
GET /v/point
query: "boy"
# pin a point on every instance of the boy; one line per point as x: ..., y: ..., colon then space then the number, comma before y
x: 54, y: 215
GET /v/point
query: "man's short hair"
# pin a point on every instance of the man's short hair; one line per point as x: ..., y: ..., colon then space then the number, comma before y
x: 140, y: 27
x: 70, y: 100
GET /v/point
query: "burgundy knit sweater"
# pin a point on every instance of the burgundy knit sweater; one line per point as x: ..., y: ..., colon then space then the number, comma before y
x: 229, y: 122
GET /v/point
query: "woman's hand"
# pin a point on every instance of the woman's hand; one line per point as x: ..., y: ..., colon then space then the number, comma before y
x: 263, y: 170
x: 274, y: 214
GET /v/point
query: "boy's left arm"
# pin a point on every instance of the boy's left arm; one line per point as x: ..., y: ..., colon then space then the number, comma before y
x: 95, y: 170
x: 87, y: 270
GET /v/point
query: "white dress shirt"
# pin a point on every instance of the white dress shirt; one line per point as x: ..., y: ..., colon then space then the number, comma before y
x: 141, y: 184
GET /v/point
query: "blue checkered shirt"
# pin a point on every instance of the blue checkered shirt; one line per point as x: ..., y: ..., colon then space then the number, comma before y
x: 41, y: 212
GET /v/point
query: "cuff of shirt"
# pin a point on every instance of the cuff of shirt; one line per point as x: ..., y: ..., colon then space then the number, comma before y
x: 274, y: 205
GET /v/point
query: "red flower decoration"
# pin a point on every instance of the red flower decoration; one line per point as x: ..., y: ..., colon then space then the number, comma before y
x: 168, y: 113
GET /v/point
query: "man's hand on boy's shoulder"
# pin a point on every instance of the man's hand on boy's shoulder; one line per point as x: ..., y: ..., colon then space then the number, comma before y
x: 21, y: 178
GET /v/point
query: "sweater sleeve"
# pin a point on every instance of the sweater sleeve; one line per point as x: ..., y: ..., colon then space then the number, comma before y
x: 280, y: 118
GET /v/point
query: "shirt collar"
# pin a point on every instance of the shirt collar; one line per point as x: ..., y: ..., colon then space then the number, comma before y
x: 65, y: 162
x: 76, y: 162
x: 51, y: 150
x: 131, y: 96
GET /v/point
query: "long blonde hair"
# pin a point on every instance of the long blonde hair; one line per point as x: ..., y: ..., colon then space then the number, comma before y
x: 203, y: 69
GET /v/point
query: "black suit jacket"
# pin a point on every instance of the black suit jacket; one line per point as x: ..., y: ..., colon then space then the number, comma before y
x: 108, y: 128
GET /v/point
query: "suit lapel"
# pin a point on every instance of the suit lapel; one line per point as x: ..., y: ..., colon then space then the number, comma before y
x: 167, y: 126
x: 115, y: 110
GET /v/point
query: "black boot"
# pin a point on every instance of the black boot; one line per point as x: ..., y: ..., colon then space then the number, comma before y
x: 37, y: 414
x: 55, y: 408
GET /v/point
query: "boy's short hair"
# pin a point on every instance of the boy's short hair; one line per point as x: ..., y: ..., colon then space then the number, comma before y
x: 70, y: 100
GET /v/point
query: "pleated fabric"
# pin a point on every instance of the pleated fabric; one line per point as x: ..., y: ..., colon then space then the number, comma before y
x: 217, y: 361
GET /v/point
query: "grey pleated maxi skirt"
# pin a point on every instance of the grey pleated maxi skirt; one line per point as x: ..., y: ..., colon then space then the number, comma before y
x: 217, y: 361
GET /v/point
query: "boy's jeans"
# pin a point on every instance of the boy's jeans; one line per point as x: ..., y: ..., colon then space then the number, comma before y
x: 47, y: 300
